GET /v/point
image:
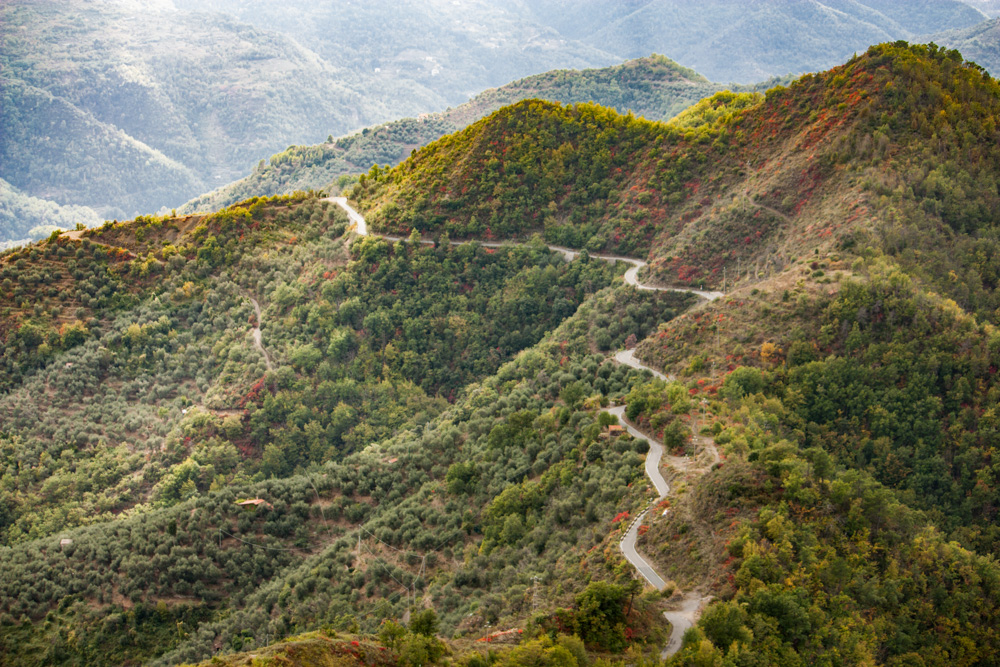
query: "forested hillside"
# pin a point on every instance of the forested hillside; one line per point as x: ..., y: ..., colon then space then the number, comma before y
x: 865, y: 160
x: 654, y: 87
x: 739, y: 186
x: 133, y: 313
x: 408, y: 448
x: 159, y: 399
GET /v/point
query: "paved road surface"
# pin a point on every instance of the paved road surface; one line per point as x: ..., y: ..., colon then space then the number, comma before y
x: 632, y: 278
x: 638, y: 562
x: 680, y: 620
x: 360, y: 226
x: 683, y: 618
x: 627, y: 358
x: 652, y: 458
x: 627, y: 543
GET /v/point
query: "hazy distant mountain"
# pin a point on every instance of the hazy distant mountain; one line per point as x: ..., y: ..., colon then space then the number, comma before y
x: 988, y: 7
x: 654, y: 87
x: 23, y: 217
x: 127, y: 107
x: 419, y: 55
x: 129, y: 111
x: 980, y: 43
x: 741, y: 40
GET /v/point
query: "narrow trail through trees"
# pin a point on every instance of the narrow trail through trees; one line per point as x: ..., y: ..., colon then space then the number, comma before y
x: 258, y: 337
x: 691, y: 603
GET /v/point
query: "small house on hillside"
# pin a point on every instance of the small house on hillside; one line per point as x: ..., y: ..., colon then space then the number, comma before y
x: 512, y: 636
x: 612, y: 431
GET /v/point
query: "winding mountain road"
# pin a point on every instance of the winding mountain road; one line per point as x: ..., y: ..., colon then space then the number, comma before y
x: 627, y: 545
x: 691, y: 603
x: 627, y: 358
x: 631, y: 276
x: 360, y: 226
x: 680, y: 619
x: 653, y: 458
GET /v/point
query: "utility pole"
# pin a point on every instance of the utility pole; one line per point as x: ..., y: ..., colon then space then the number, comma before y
x: 718, y: 351
x: 694, y: 430
x: 704, y: 402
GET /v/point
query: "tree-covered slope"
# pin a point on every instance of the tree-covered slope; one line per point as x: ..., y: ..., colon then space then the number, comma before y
x: 161, y: 404
x: 506, y: 510
x: 899, y: 142
x: 653, y: 87
x: 853, y: 406
x: 426, y: 441
x: 142, y: 337
x: 891, y: 154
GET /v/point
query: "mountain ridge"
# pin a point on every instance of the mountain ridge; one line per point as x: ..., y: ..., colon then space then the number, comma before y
x: 849, y: 387
x: 769, y: 39
x: 317, y: 71
x: 653, y: 86
x: 977, y: 43
x: 801, y: 148
x: 209, y: 91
